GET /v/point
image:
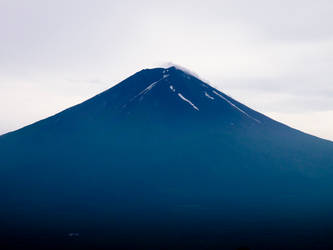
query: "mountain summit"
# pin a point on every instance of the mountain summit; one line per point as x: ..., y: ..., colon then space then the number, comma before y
x: 164, y: 160
x: 169, y: 91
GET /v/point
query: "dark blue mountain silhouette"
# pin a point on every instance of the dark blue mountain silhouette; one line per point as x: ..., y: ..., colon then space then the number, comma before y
x: 164, y: 161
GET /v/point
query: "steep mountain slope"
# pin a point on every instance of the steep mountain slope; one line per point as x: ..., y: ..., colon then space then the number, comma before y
x: 163, y: 160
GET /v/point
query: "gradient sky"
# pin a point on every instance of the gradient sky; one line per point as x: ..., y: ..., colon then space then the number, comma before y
x: 274, y: 56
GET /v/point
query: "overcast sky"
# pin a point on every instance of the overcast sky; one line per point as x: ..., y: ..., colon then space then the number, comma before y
x: 274, y: 56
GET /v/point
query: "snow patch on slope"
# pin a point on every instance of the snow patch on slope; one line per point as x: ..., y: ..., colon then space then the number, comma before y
x: 143, y: 92
x: 147, y: 89
x: 233, y: 105
x: 210, y: 97
x: 188, y: 101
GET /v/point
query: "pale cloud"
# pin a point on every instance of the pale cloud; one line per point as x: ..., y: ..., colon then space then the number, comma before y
x: 316, y: 123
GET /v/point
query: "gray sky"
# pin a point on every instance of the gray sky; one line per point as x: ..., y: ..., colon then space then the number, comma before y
x: 275, y: 56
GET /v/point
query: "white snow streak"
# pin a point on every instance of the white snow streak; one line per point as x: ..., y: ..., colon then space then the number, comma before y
x: 188, y: 101
x: 233, y: 105
x: 149, y: 87
x: 172, y: 88
x: 210, y: 97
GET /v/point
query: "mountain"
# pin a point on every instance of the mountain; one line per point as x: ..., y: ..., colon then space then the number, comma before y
x: 164, y: 161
